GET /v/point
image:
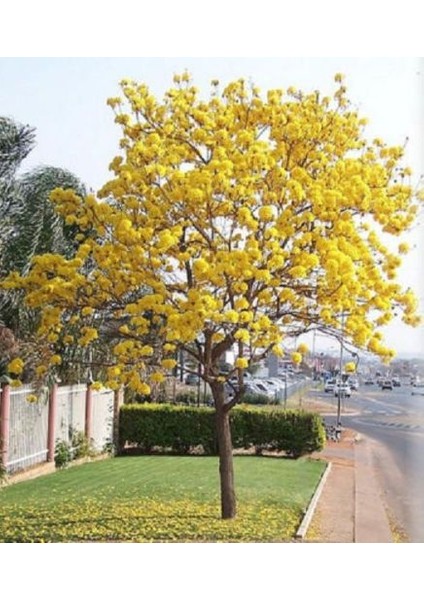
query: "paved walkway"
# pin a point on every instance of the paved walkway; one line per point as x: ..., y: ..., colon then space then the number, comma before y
x: 350, y: 507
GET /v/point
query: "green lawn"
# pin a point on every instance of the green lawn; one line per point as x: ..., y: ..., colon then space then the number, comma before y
x: 159, y: 498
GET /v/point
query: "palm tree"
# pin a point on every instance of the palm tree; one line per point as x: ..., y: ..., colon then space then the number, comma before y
x: 16, y: 142
x: 36, y: 226
x: 30, y: 225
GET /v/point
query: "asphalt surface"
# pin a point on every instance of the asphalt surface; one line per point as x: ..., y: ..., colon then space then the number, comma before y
x: 375, y: 491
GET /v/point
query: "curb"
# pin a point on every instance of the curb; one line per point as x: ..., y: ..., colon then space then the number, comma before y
x: 303, y: 528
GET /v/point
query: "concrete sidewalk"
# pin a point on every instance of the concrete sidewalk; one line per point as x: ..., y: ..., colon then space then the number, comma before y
x: 350, y: 506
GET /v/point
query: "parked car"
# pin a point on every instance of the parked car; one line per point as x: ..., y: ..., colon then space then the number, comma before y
x: 396, y: 381
x: 353, y: 383
x: 329, y: 385
x: 192, y: 379
x: 343, y: 389
x: 386, y: 384
x: 418, y: 389
x: 251, y: 388
x: 275, y: 384
x: 246, y: 377
x: 369, y: 381
x: 260, y: 387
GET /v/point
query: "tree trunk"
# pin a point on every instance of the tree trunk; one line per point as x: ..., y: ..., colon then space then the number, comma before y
x: 226, y: 469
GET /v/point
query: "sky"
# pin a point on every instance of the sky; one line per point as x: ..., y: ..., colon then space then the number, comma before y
x: 65, y: 100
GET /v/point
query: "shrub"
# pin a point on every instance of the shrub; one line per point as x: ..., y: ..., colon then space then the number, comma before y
x: 81, y: 445
x: 3, y: 473
x: 186, y: 398
x: 62, y: 454
x: 181, y: 429
x: 256, y: 399
x: 109, y: 448
x: 177, y: 428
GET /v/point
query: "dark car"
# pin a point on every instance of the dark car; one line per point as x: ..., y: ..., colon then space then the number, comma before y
x: 192, y: 379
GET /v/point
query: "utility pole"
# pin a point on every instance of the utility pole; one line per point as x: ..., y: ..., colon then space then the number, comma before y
x: 339, y: 395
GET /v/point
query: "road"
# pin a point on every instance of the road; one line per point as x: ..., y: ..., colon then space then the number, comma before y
x: 394, y: 420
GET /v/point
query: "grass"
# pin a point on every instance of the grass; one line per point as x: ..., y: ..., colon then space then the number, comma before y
x: 159, y: 498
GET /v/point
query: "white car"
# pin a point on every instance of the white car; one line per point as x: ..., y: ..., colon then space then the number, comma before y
x: 343, y: 389
x: 386, y: 384
x: 329, y: 385
x: 259, y: 387
x: 354, y: 384
x: 275, y: 384
x: 418, y: 389
x: 246, y: 377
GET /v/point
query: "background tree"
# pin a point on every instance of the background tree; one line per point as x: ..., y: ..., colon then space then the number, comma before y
x: 30, y: 225
x: 247, y: 218
x: 16, y: 142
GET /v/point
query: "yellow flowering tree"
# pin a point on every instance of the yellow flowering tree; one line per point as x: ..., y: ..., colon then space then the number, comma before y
x: 229, y: 222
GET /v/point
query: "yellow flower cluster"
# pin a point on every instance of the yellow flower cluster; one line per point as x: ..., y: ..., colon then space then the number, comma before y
x: 16, y: 366
x: 145, y: 520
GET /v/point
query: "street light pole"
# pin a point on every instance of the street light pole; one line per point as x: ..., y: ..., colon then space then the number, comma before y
x: 339, y: 395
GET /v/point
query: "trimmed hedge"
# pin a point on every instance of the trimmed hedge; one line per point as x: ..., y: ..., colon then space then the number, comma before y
x: 181, y: 429
x: 257, y: 399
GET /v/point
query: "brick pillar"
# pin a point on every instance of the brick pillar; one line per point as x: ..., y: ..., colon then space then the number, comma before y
x: 88, y: 411
x: 118, y: 400
x: 51, y: 429
x: 4, y: 424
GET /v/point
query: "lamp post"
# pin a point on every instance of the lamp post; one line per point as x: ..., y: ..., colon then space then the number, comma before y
x: 356, y: 357
x: 339, y: 394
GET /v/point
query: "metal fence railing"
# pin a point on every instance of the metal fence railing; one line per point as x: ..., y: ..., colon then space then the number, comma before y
x: 28, y: 424
x: 29, y: 430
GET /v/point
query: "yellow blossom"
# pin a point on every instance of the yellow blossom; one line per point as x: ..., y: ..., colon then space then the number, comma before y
x: 241, y: 363
x: 242, y: 335
x: 303, y: 348
x: 41, y: 370
x: 16, y: 366
x: 157, y: 377
x: 168, y: 363
x: 266, y: 213
x: 296, y: 358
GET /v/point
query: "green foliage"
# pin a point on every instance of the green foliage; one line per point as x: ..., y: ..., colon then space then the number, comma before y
x: 81, y: 445
x: 182, y: 429
x: 62, y: 454
x: 256, y: 399
x: 294, y: 432
x: 186, y: 398
x: 30, y: 226
x: 3, y: 472
x: 175, y: 428
x: 109, y: 448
